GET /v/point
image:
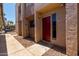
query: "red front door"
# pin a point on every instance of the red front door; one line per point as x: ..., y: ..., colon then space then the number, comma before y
x: 46, y: 28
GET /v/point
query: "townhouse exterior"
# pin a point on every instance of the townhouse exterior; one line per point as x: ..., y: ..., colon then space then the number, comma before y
x: 55, y: 23
x: 1, y: 17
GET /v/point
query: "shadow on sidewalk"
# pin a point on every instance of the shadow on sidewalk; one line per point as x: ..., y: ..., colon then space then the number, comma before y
x: 3, y: 46
x: 53, y: 47
x: 26, y: 42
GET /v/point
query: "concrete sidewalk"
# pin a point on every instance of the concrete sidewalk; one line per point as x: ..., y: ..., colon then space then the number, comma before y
x: 15, y: 48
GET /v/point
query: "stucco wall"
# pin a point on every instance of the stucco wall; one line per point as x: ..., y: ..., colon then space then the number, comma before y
x: 32, y: 32
x: 60, y: 27
x: 38, y: 21
x: 29, y: 9
x: 60, y: 40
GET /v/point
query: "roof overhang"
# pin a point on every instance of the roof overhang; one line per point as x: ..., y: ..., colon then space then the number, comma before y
x: 50, y: 7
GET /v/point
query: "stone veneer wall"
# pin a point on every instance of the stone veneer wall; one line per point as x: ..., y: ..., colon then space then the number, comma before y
x: 78, y: 25
x: 71, y: 29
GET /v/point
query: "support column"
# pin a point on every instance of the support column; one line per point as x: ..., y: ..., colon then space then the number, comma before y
x: 38, y: 27
x: 71, y: 29
x: 24, y: 21
x: 23, y: 12
x: 18, y: 19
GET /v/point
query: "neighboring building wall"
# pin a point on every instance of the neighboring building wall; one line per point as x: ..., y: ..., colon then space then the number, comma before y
x: 30, y: 17
x: 23, y: 13
x: 29, y: 9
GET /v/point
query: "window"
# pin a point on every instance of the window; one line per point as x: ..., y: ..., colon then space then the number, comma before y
x: 32, y: 23
x: 54, y: 25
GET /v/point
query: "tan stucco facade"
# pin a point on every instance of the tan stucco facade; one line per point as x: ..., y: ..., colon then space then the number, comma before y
x: 66, y: 23
x: 23, y: 19
x: 60, y: 13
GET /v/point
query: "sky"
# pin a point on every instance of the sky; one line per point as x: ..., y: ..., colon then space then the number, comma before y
x: 9, y: 11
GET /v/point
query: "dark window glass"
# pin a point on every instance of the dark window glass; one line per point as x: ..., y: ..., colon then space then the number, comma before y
x: 54, y: 25
x: 32, y: 23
